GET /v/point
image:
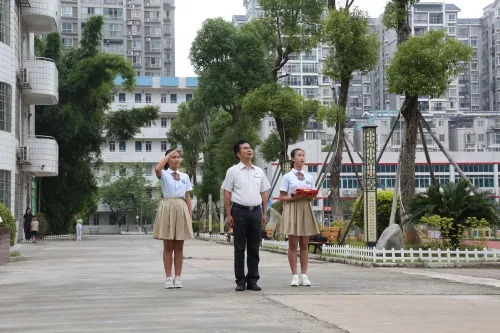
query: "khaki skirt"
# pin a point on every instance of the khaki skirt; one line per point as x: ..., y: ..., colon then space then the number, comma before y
x: 298, y: 219
x: 172, y: 220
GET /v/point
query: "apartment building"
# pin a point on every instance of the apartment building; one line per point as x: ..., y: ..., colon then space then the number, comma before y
x: 148, y: 146
x: 25, y: 81
x: 141, y: 31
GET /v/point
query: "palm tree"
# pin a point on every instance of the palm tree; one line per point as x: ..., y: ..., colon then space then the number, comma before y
x: 456, y: 201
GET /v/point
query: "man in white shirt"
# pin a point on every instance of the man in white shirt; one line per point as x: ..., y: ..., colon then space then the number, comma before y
x: 245, y: 198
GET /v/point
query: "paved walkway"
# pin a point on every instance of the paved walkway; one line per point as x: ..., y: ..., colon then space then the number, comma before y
x: 115, y: 284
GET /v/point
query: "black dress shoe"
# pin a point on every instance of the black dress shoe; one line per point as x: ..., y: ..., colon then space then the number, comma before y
x: 253, y: 286
x: 240, y: 287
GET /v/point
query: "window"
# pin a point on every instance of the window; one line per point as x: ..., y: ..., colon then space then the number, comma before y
x: 164, y: 98
x: 164, y: 146
x: 96, y: 219
x: 136, y: 45
x: 67, y: 27
x: 148, y: 146
x: 123, y: 146
x: 138, y: 98
x: 112, y: 219
x: 148, y: 98
x: 5, y: 21
x: 173, y: 98
x: 452, y: 30
x: 480, y: 137
x: 121, y: 97
x: 5, y: 107
x: 5, y: 184
x: 111, y: 146
x: 189, y: 97
x: 349, y: 182
x: 452, y: 17
x: 155, y: 46
x: 163, y: 122
x: 138, y: 146
x: 67, y: 42
x: 480, y: 123
x: 65, y: 11
x: 312, y: 168
x: 113, y: 13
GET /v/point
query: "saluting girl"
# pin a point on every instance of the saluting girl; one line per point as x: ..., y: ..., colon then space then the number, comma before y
x: 173, y: 222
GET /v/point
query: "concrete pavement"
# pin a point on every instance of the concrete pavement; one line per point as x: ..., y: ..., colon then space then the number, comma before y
x: 115, y: 284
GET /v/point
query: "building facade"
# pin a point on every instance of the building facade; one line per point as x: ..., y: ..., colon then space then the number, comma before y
x: 141, y: 31
x: 25, y: 81
x: 148, y: 146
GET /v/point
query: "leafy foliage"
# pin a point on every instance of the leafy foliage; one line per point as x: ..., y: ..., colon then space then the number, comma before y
x: 86, y: 78
x: 354, y: 47
x: 122, y: 125
x: 426, y: 64
x: 290, y: 111
x: 8, y: 222
x: 455, y: 202
x: 396, y: 11
x: 126, y: 195
x: 384, y: 205
x: 293, y: 27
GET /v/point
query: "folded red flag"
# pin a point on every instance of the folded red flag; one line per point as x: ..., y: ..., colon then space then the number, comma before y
x: 307, y: 191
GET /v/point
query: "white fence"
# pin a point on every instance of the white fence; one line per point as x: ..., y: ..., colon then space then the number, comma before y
x: 273, y: 244
x: 58, y: 237
x: 411, y: 255
x: 216, y: 237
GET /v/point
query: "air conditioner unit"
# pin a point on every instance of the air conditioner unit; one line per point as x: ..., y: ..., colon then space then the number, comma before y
x: 347, y: 192
x: 136, y: 22
x: 137, y: 53
x: 129, y: 37
x: 146, y: 19
x: 130, y: 22
x: 24, y: 75
x: 130, y: 53
x: 24, y: 153
x: 148, y: 39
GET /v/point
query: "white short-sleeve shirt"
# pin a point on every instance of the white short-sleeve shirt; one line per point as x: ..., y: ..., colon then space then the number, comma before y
x: 172, y: 188
x: 290, y: 182
x: 246, y: 184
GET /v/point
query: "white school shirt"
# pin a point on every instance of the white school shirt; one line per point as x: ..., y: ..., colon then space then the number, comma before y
x: 246, y: 184
x: 172, y: 188
x: 290, y: 182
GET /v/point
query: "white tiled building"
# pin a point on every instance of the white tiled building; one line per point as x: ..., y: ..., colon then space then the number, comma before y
x: 148, y: 146
x: 25, y: 81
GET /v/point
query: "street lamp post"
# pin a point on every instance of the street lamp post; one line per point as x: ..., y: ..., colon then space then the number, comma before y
x: 370, y: 184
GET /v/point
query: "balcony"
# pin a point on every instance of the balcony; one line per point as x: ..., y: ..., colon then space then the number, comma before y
x: 42, y: 156
x: 40, y: 16
x: 41, y: 82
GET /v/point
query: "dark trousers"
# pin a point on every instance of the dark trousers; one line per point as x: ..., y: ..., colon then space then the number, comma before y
x: 27, y: 233
x: 247, y: 232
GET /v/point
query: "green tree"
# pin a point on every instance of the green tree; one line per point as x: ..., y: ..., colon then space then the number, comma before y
x: 424, y: 65
x: 86, y: 82
x: 289, y: 26
x: 188, y: 130
x: 126, y: 195
x: 384, y: 205
x: 458, y: 204
x: 290, y: 111
x: 122, y: 125
x: 354, y: 48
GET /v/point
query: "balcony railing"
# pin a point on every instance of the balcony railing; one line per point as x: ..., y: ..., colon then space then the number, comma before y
x: 42, y: 156
x: 41, y: 16
x: 40, y: 80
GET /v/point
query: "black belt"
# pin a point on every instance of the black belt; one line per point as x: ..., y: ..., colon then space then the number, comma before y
x: 250, y: 208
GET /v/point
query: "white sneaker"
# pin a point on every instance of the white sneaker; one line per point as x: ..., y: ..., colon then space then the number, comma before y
x: 304, y: 280
x: 177, y: 282
x: 295, y: 281
x: 170, y: 283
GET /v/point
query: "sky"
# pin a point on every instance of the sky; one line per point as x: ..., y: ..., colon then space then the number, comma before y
x: 190, y: 15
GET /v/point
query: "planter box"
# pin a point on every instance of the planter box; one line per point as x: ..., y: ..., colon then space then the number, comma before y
x: 4, y: 245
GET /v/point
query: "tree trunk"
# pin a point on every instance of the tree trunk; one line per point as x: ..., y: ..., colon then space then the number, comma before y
x: 403, y: 29
x: 337, y: 210
x: 409, y: 111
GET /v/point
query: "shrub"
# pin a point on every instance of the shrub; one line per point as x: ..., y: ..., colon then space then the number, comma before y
x: 278, y: 206
x: 8, y: 222
x: 196, y: 226
x: 384, y: 205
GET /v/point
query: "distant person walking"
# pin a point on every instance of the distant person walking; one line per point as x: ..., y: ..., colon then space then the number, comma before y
x: 173, y: 222
x: 35, y: 229
x: 245, y: 197
x: 28, y: 217
x: 298, y: 220
x: 79, y: 227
